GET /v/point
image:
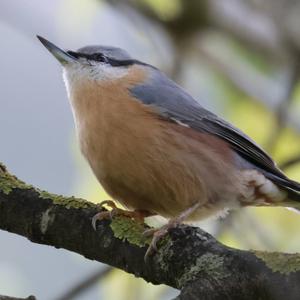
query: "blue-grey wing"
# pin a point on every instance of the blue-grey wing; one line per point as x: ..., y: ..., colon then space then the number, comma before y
x: 174, y: 104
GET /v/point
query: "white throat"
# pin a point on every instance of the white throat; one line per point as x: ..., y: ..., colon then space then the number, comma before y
x: 80, y: 72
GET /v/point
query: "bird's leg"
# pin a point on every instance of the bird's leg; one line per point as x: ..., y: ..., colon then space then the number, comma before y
x: 158, y: 233
x: 138, y: 215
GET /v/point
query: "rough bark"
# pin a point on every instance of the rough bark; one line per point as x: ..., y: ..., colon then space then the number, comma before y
x: 188, y: 258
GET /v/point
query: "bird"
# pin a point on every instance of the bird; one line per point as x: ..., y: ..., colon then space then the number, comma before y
x: 156, y: 150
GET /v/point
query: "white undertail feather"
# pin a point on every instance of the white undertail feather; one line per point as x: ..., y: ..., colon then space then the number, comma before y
x: 261, y: 188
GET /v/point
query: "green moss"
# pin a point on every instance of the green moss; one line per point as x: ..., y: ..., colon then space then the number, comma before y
x: 283, y: 263
x: 9, y: 182
x: 210, y: 265
x: 68, y: 202
x: 127, y: 229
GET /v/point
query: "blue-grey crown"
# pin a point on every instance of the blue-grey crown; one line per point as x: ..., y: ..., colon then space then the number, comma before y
x: 116, y: 57
x: 108, y: 51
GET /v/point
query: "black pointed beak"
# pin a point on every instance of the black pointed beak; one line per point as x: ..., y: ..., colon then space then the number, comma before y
x: 61, y: 55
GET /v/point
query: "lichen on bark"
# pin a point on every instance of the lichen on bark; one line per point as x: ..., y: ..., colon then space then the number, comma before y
x: 284, y: 263
x: 9, y: 182
x: 127, y: 229
x: 68, y: 202
x: 210, y: 265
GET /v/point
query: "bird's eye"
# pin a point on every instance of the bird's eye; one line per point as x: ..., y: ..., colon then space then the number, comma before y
x: 99, y: 57
x: 74, y: 54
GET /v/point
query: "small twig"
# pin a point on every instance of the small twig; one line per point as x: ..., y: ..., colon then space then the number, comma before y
x: 262, y: 33
x: 85, y: 284
x: 290, y: 163
x: 250, y: 82
x: 236, y: 221
x: 241, y: 75
x: 14, y: 298
x: 251, y: 222
x: 283, y: 107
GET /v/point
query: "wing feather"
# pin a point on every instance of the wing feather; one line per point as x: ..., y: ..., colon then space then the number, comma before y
x: 173, y: 103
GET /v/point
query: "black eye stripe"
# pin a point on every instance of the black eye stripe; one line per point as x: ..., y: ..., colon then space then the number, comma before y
x: 99, y: 57
x: 95, y: 56
x: 74, y: 54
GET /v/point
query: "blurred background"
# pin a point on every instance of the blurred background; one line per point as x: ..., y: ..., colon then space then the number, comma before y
x: 239, y: 58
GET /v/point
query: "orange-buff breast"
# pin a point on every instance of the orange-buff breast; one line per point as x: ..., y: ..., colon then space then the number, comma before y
x: 146, y: 162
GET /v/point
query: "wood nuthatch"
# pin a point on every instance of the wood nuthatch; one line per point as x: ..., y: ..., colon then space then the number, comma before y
x: 156, y: 150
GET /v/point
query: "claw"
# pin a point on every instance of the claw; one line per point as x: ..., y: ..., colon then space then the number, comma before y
x: 138, y: 215
x: 109, y: 203
x: 94, y: 221
x: 158, y: 234
x: 149, y: 232
x: 103, y: 215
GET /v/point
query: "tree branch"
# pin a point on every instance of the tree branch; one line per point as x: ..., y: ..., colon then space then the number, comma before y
x: 188, y: 258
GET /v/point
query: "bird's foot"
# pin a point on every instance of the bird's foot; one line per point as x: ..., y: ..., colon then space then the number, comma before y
x: 158, y: 233
x: 137, y: 215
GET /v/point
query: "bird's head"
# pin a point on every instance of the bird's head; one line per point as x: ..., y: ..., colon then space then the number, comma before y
x: 95, y: 63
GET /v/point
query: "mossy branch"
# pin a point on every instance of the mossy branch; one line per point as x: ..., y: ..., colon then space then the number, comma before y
x: 188, y: 259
